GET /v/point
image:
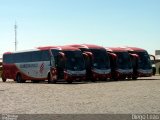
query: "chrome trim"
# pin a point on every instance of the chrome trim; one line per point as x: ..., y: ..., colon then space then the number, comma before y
x: 124, y: 71
x: 99, y: 71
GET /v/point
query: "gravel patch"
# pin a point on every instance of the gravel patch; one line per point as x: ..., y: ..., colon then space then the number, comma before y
x: 118, y: 97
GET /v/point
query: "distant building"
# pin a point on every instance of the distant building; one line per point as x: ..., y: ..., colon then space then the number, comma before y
x: 0, y: 58
x: 157, y: 61
x: 157, y: 54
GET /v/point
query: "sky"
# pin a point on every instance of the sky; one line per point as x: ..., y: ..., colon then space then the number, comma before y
x: 109, y: 23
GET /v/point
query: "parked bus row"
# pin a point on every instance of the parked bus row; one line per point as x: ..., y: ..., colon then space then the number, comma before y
x: 76, y: 63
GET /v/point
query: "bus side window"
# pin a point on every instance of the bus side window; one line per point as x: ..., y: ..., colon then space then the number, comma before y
x: 7, y: 58
x: 36, y: 56
x: 17, y: 57
x: 26, y: 57
x: 45, y: 55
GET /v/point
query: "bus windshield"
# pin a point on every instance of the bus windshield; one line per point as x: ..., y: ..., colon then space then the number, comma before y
x: 100, y: 59
x: 144, y: 61
x: 123, y: 60
x: 55, y: 53
x: 74, y: 60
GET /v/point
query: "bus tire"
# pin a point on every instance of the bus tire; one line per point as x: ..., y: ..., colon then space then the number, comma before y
x: 93, y: 80
x: 3, y: 79
x: 123, y: 77
x: 115, y: 78
x: 134, y: 78
x: 19, y: 79
x: 50, y: 81
x: 35, y: 81
x: 153, y: 70
x: 69, y: 81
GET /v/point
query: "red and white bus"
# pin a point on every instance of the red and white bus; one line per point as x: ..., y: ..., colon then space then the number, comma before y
x: 98, y: 64
x: 28, y: 65
x: 142, y: 65
x: 45, y: 63
x: 70, y: 65
x: 121, y: 65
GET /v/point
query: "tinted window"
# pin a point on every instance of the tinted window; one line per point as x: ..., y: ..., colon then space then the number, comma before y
x: 144, y: 61
x: 74, y: 60
x: 55, y: 52
x: 26, y: 57
x: 45, y: 55
x: 100, y: 59
x: 36, y: 56
x: 124, y: 60
x: 7, y: 58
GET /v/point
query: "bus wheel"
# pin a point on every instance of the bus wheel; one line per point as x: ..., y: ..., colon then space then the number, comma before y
x: 123, y: 77
x: 93, y: 80
x: 69, y: 81
x: 115, y: 78
x: 35, y: 81
x: 19, y: 79
x: 3, y: 79
x: 134, y: 78
x: 50, y: 81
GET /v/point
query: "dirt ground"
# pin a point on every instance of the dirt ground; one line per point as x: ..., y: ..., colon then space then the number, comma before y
x: 118, y: 97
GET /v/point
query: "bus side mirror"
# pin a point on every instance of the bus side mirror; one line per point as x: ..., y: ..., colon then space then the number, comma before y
x: 113, y: 55
x: 84, y: 54
x: 134, y: 56
x: 152, y: 58
x: 88, y: 59
x: 61, y: 55
x: 89, y: 54
x: 113, y: 60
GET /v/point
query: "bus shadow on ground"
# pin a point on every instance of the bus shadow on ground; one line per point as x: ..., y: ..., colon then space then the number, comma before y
x: 147, y: 79
x: 124, y: 80
x: 57, y: 83
x: 81, y: 82
x: 44, y: 82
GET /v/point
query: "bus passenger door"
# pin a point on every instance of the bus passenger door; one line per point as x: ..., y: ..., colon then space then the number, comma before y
x: 60, y: 65
x: 53, y: 69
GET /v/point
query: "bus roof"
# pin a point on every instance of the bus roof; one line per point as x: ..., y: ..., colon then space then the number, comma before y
x: 87, y: 46
x: 116, y: 49
x: 21, y: 51
x: 78, y: 46
x: 7, y: 53
x: 134, y: 49
x: 58, y: 47
x: 69, y: 48
x: 91, y: 46
x: 48, y: 47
